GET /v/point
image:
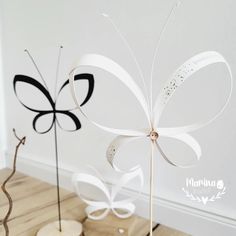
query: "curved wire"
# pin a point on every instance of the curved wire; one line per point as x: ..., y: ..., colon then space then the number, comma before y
x: 36, y: 67
x: 57, y: 72
x: 173, y: 10
x: 126, y: 43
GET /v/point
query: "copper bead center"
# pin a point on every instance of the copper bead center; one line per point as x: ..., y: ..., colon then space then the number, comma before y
x: 154, y: 135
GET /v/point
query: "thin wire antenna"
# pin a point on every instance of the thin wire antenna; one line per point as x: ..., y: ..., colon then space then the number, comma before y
x: 57, y: 72
x: 36, y: 67
x: 126, y: 43
x: 173, y: 10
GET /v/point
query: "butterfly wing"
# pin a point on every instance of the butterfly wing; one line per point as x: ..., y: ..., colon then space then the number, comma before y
x: 34, y: 88
x: 125, y: 208
x: 106, y: 64
x: 183, y: 73
x: 93, y: 204
x: 89, y: 78
x: 66, y: 119
x: 187, y: 140
x: 114, y: 148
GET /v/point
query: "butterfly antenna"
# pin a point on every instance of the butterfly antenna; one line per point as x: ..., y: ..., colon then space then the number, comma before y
x: 36, y: 67
x: 172, y: 12
x: 57, y: 71
x: 126, y: 43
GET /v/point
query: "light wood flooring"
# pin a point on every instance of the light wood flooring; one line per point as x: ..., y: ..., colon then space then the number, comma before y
x: 35, y: 206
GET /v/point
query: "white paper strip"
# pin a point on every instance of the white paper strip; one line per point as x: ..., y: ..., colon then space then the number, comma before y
x: 112, y: 67
x: 184, y: 72
x: 115, y: 146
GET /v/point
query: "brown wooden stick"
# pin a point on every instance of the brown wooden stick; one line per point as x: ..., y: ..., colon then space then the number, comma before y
x: 3, y: 187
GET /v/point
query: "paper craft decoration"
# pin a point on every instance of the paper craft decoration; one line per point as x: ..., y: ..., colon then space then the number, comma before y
x: 152, y: 112
x: 52, y: 112
x: 99, y: 209
x: 51, y: 109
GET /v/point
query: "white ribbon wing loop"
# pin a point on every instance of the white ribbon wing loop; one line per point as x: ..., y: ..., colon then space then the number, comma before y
x: 113, y: 68
x: 91, y: 209
x: 92, y: 180
x: 179, y: 77
x: 120, y: 141
x: 127, y: 209
x: 189, y: 141
x: 115, y: 145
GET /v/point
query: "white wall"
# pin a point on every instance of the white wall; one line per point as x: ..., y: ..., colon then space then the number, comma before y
x: 2, y: 103
x: 41, y: 26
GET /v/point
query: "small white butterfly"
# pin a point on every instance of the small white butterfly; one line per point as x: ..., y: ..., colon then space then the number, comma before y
x: 99, y: 209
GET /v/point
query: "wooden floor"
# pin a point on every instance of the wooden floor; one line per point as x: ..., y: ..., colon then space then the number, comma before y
x: 35, y: 206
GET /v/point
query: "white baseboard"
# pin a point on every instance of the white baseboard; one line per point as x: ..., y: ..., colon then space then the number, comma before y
x: 2, y: 159
x: 173, y: 214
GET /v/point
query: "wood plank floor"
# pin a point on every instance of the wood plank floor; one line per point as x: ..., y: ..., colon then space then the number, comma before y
x: 35, y: 206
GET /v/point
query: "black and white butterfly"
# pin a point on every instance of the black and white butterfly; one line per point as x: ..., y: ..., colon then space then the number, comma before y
x: 50, y: 111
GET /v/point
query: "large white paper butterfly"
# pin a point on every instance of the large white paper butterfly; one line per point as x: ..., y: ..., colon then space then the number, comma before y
x: 152, y: 112
x: 183, y: 73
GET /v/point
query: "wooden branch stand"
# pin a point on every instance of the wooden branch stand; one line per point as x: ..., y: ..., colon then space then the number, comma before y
x: 110, y: 226
x: 69, y: 228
